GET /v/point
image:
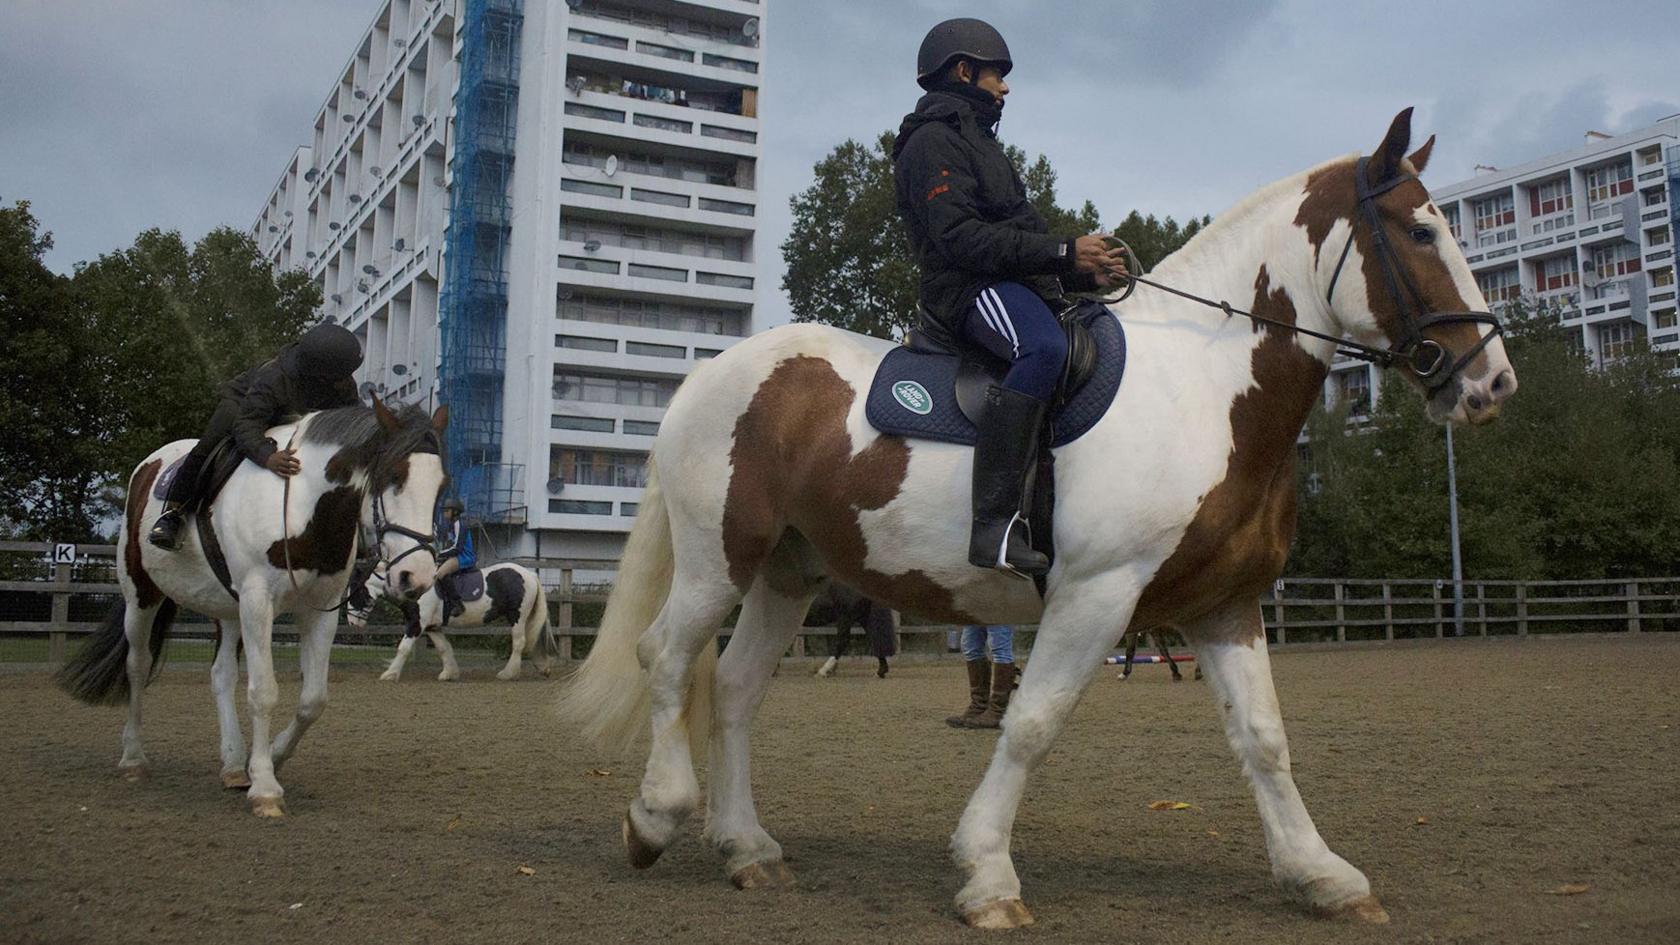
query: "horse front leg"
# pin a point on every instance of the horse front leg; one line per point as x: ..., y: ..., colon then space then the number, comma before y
x: 1081, y: 624
x: 405, y: 646
x: 1231, y: 646
x: 224, y: 681
x: 516, y: 647
x: 256, y: 628
x: 314, y: 658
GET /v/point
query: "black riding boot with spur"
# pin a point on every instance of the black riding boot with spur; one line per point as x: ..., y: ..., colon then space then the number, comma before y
x: 1003, y: 461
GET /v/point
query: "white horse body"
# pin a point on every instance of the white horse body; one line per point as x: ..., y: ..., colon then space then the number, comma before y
x: 1177, y: 507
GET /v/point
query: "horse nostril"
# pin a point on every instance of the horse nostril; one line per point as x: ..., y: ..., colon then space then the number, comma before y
x: 1475, y: 402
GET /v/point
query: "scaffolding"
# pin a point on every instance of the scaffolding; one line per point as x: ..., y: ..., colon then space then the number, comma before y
x: 472, y: 309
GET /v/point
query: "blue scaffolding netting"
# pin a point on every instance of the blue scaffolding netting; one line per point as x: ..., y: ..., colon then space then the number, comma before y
x: 472, y: 308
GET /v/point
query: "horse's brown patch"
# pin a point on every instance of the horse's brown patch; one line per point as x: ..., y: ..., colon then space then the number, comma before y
x: 1238, y: 542
x: 792, y: 466
x: 325, y: 543
x: 146, y: 593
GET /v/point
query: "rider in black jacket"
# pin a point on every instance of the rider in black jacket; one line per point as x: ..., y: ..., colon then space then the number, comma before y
x: 990, y: 268
x: 313, y: 373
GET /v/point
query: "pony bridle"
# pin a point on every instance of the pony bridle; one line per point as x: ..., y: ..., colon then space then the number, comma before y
x: 383, y: 526
x: 1428, y: 359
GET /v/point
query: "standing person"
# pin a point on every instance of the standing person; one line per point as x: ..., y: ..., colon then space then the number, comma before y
x: 990, y: 268
x: 315, y: 372
x: 455, y: 554
x: 990, y: 683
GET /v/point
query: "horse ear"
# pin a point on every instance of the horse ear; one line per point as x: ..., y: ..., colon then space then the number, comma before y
x: 440, y: 417
x: 387, y: 419
x: 1420, y: 157
x: 1385, y: 160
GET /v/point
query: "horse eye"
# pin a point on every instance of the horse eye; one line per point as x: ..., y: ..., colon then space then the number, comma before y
x: 1423, y: 235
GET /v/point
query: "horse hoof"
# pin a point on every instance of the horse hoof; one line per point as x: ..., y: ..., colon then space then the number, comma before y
x: 133, y: 772
x: 268, y: 808
x: 1364, y: 909
x: 771, y: 874
x: 449, y: 677
x: 642, y: 854
x: 388, y: 677
x: 504, y: 676
x: 236, y: 780
x: 998, y: 914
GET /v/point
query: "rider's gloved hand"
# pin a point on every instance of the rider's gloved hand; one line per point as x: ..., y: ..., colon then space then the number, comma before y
x: 1094, y: 254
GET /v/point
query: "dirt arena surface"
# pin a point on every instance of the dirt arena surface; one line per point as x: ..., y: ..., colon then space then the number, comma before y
x: 412, y: 807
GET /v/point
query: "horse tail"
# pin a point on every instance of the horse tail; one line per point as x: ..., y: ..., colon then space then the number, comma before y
x: 537, y: 628
x: 607, y: 698
x: 98, y: 673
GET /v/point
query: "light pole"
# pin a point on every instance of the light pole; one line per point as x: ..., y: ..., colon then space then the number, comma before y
x: 1457, y: 561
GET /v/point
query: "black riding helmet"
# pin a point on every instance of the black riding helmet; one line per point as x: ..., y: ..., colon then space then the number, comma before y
x: 964, y: 37
x: 453, y: 503
x: 327, y: 352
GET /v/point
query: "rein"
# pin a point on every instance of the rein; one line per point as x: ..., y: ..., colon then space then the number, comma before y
x: 1425, y: 357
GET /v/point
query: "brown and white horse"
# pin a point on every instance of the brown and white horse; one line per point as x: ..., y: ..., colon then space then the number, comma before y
x: 1177, y: 508
x: 269, y: 546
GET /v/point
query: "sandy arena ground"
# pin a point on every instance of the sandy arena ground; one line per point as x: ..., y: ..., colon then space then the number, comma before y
x: 1470, y: 781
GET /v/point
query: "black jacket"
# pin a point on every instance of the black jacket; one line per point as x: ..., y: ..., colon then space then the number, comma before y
x: 275, y: 390
x: 970, y: 221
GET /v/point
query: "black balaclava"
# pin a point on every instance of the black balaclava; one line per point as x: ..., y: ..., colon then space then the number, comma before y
x: 327, y: 352
x: 988, y: 108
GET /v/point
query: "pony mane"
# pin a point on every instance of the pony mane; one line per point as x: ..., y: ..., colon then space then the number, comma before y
x: 367, y: 445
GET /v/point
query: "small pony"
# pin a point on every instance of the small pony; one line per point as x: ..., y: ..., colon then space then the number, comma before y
x: 511, y: 592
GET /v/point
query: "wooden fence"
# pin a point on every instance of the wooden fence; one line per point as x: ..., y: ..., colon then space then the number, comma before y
x: 39, y: 597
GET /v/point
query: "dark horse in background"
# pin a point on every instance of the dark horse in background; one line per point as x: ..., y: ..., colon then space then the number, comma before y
x: 845, y: 608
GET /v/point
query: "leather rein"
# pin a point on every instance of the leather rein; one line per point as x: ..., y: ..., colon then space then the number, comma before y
x: 1427, y: 358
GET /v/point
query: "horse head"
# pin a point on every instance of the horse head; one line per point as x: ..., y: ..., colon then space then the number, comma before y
x: 1394, y: 277
x: 405, y: 477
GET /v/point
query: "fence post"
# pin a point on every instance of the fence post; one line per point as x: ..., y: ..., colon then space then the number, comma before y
x: 1481, y: 606
x: 60, y: 614
x: 1277, y: 610
x: 1341, y: 614
x: 1522, y: 610
x: 565, y: 617
x: 1435, y: 593
x: 1633, y: 606
x: 1388, y: 612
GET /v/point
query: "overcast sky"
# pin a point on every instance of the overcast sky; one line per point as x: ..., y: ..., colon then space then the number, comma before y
x: 119, y: 115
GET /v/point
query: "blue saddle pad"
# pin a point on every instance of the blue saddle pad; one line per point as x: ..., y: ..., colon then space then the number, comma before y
x: 914, y: 392
x: 469, y: 584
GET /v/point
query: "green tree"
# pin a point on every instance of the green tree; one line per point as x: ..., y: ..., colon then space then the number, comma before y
x: 1154, y: 240
x: 848, y: 255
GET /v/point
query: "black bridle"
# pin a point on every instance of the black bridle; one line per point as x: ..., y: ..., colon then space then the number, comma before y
x: 383, y: 526
x: 1424, y: 356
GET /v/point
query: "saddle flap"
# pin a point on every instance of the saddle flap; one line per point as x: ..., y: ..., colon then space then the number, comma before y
x: 215, y: 473
x: 469, y: 584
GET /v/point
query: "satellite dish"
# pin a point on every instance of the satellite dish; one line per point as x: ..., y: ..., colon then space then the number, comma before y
x: 370, y: 270
x: 575, y: 83
x: 360, y: 94
x: 309, y: 255
x: 399, y: 369
x: 591, y: 246
x: 355, y: 198
x: 311, y: 174
x: 418, y: 120
x: 438, y: 180
x: 375, y: 171
x: 367, y: 388
x: 555, y: 486
x: 611, y: 167
x: 749, y: 29
x: 333, y: 225
x: 399, y: 244
x: 273, y: 229
x: 288, y: 214
x: 563, y: 293
x: 338, y: 298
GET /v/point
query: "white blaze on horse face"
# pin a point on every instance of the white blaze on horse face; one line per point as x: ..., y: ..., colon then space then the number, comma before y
x: 411, y: 508
x: 1486, y: 385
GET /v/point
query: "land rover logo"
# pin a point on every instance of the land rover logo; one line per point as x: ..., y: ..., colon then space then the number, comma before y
x: 913, y: 397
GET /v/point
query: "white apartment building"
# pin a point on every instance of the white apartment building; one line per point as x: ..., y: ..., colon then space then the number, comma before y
x: 1589, y: 232
x: 543, y: 214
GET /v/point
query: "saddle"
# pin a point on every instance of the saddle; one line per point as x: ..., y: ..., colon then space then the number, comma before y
x: 215, y: 473
x: 930, y: 388
x: 468, y: 585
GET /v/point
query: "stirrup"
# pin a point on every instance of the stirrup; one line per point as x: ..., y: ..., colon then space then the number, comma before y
x: 1002, y: 563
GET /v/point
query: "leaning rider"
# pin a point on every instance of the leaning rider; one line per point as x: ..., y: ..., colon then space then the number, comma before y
x: 455, y: 555
x: 313, y: 373
x: 990, y: 268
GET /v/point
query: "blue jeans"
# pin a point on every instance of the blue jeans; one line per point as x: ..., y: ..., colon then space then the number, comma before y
x: 1012, y: 322
x: 1002, y: 640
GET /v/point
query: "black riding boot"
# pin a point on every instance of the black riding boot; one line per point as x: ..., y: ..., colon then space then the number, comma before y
x: 1003, y: 461
x: 166, y: 531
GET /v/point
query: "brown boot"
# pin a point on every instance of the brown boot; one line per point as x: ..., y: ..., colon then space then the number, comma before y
x: 979, y: 693
x: 1003, y: 683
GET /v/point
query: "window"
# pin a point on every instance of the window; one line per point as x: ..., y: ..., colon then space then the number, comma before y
x: 718, y: 278
x: 655, y: 351
x: 597, y: 39
x: 1553, y: 196
x: 591, y: 188
x: 695, y: 170
x: 1651, y: 155
x: 590, y: 111
x: 726, y: 206
x: 1493, y: 214
x: 628, y: 509
x: 729, y: 134
x: 1610, y: 260
x: 1499, y: 285
x: 587, y: 424
x: 1555, y: 274
x: 1616, y: 340
x: 589, y: 265
x: 659, y: 197
x: 582, y: 343
x: 655, y: 238
x: 579, y: 507
x: 590, y: 467
x: 701, y: 354
x: 658, y: 272
x: 725, y: 62
x: 641, y: 427
x: 664, y: 52
x: 1664, y: 319
x: 594, y: 388
x: 1609, y: 181
x: 1450, y: 213
x: 1661, y: 278
x: 664, y: 124
x: 1657, y: 235
x: 1354, y: 388
x: 669, y: 316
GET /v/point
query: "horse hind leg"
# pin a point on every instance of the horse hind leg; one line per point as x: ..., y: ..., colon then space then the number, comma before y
x: 139, y: 623
x: 771, y: 616
x: 451, y: 670
x: 1232, y: 647
x: 516, y: 648
x: 669, y: 651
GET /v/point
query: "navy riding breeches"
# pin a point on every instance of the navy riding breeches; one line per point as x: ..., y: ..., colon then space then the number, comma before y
x: 1012, y: 322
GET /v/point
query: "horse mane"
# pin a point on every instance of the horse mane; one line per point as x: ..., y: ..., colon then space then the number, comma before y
x: 366, y: 445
